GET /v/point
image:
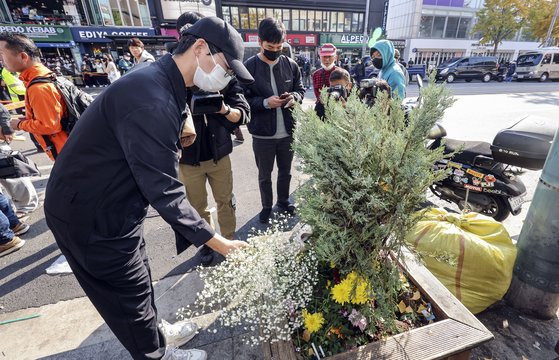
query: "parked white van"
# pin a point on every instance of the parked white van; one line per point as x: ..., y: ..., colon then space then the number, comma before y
x: 541, y: 64
x: 253, y: 47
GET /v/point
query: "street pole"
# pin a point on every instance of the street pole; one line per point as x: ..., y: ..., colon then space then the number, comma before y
x: 364, y: 49
x: 549, y: 37
x: 535, y: 284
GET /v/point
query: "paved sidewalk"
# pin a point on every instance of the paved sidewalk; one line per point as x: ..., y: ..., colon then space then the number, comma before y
x: 74, y: 330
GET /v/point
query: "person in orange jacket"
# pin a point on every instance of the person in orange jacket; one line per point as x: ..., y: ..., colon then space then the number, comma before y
x: 44, y: 105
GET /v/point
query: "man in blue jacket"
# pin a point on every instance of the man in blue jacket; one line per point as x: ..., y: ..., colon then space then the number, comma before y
x: 123, y: 155
x: 382, y: 54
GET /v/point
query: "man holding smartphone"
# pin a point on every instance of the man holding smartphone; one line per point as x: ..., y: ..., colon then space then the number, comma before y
x: 277, y: 87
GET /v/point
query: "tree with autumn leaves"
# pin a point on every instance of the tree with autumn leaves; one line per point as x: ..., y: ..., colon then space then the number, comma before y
x: 498, y: 20
x: 501, y: 19
x: 538, y: 15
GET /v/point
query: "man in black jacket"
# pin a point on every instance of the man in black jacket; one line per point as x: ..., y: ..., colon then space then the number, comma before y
x: 276, y: 89
x: 207, y: 159
x: 123, y: 155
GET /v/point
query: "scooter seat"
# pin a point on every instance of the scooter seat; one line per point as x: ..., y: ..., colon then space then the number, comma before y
x: 470, y: 150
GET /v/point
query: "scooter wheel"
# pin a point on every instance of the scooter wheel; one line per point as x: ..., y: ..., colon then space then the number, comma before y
x: 498, y: 210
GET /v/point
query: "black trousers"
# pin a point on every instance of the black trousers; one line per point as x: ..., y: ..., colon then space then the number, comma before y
x: 115, y: 275
x: 266, y: 151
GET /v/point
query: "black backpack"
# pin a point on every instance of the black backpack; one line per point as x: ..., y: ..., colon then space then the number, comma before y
x: 75, y: 99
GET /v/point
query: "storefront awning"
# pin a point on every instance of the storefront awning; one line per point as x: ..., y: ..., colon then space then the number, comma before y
x: 55, y: 45
x: 160, y: 39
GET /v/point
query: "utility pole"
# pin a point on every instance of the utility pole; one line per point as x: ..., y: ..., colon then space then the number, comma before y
x: 364, y: 49
x: 549, y: 38
x: 535, y: 283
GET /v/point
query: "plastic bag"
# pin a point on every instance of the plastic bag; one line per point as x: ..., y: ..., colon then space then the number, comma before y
x: 471, y: 254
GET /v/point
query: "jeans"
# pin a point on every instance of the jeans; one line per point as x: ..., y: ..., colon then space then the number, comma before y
x: 8, y: 220
x: 266, y: 152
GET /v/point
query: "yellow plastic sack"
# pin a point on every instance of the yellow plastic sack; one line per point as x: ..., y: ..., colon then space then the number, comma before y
x: 471, y: 254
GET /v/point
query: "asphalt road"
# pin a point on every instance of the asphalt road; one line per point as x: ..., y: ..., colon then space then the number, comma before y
x: 24, y: 283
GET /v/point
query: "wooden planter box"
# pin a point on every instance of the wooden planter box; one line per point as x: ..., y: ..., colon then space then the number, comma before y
x: 456, y: 332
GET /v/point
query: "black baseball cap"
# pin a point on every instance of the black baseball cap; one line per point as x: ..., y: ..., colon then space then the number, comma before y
x: 227, y: 39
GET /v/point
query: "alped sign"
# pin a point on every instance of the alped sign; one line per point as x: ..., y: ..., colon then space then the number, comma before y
x: 40, y: 33
x: 91, y: 34
x: 343, y: 40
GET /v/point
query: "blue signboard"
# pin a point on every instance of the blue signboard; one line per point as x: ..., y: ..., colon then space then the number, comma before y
x: 97, y: 34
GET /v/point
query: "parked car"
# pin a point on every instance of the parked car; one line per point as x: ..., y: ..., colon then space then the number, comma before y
x: 252, y: 48
x: 483, y: 68
x: 541, y: 64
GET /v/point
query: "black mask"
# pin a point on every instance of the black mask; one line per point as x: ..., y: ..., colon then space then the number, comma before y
x: 272, y: 55
x: 377, y: 62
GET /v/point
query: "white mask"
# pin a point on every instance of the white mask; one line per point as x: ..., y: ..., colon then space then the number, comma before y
x: 329, y: 67
x: 215, y: 81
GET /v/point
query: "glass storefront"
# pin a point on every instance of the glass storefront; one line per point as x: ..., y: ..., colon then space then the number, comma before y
x: 248, y: 18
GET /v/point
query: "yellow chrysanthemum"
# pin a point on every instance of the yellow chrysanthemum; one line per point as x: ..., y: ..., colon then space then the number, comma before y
x: 341, y: 291
x: 313, y: 322
x: 361, y: 292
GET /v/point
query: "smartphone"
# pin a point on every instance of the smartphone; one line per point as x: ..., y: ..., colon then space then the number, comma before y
x: 284, y: 99
x: 206, y: 103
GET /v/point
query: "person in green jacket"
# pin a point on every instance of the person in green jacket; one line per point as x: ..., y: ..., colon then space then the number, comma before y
x: 15, y: 86
x: 382, y: 54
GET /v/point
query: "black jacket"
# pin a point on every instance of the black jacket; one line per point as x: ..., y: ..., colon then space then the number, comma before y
x: 288, y: 79
x: 122, y: 155
x: 217, y: 129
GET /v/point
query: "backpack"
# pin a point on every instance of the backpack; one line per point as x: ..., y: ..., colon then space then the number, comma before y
x: 75, y: 99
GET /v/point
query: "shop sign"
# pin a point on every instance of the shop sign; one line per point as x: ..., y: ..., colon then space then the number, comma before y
x: 40, y: 33
x: 292, y: 39
x: 172, y: 9
x: 92, y: 34
x: 344, y: 40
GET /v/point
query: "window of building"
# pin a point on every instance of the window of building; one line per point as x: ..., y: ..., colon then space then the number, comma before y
x: 310, y: 20
x: 125, y: 13
x: 425, y: 26
x: 269, y: 12
x: 277, y: 14
x: 261, y: 14
x: 333, y: 21
x: 317, y: 21
x: 340, y: 22
x: 144, y: 12
x: 464, y: 28
x: 303, y: 20
x: 135, y: 13
x: 325, y: 21
x: 355, y: 22
x: 252, y: 18
x: 451, y: 27
x: 243, y: 13
x: 287, y: 19
x: 347, y: 21
x: 113, y: 17
x: 295, y: 20
x: 235, y: 17
x: 361, y: 22
x: 226, y: 14
x: 438, y: 26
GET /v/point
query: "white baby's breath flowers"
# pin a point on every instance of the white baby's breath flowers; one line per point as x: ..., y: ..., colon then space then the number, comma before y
x: 263, y: 286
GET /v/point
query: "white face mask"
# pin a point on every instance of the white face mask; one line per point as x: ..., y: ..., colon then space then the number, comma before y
x: 215, y: 81
x: 329, y: 67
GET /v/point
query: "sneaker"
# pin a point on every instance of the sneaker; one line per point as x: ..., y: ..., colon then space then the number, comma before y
x: 11, y: 246
x: 20, y: 229
x: 179, y: 333
x: 286, y: 208
x: 172, y: 353
x: 264, y: 215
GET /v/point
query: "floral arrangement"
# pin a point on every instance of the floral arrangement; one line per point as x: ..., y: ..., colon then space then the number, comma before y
x: 369, y: 171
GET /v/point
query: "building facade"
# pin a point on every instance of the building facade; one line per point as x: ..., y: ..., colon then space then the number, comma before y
x: 78, y: 27
x: 437, y: 30
x: 309, y: 23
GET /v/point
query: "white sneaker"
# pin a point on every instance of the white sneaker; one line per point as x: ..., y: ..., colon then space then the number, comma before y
x: 179, y: 333
x: 172, y: 353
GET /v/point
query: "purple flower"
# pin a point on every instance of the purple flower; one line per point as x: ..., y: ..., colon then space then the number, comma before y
x: 357, y: 319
